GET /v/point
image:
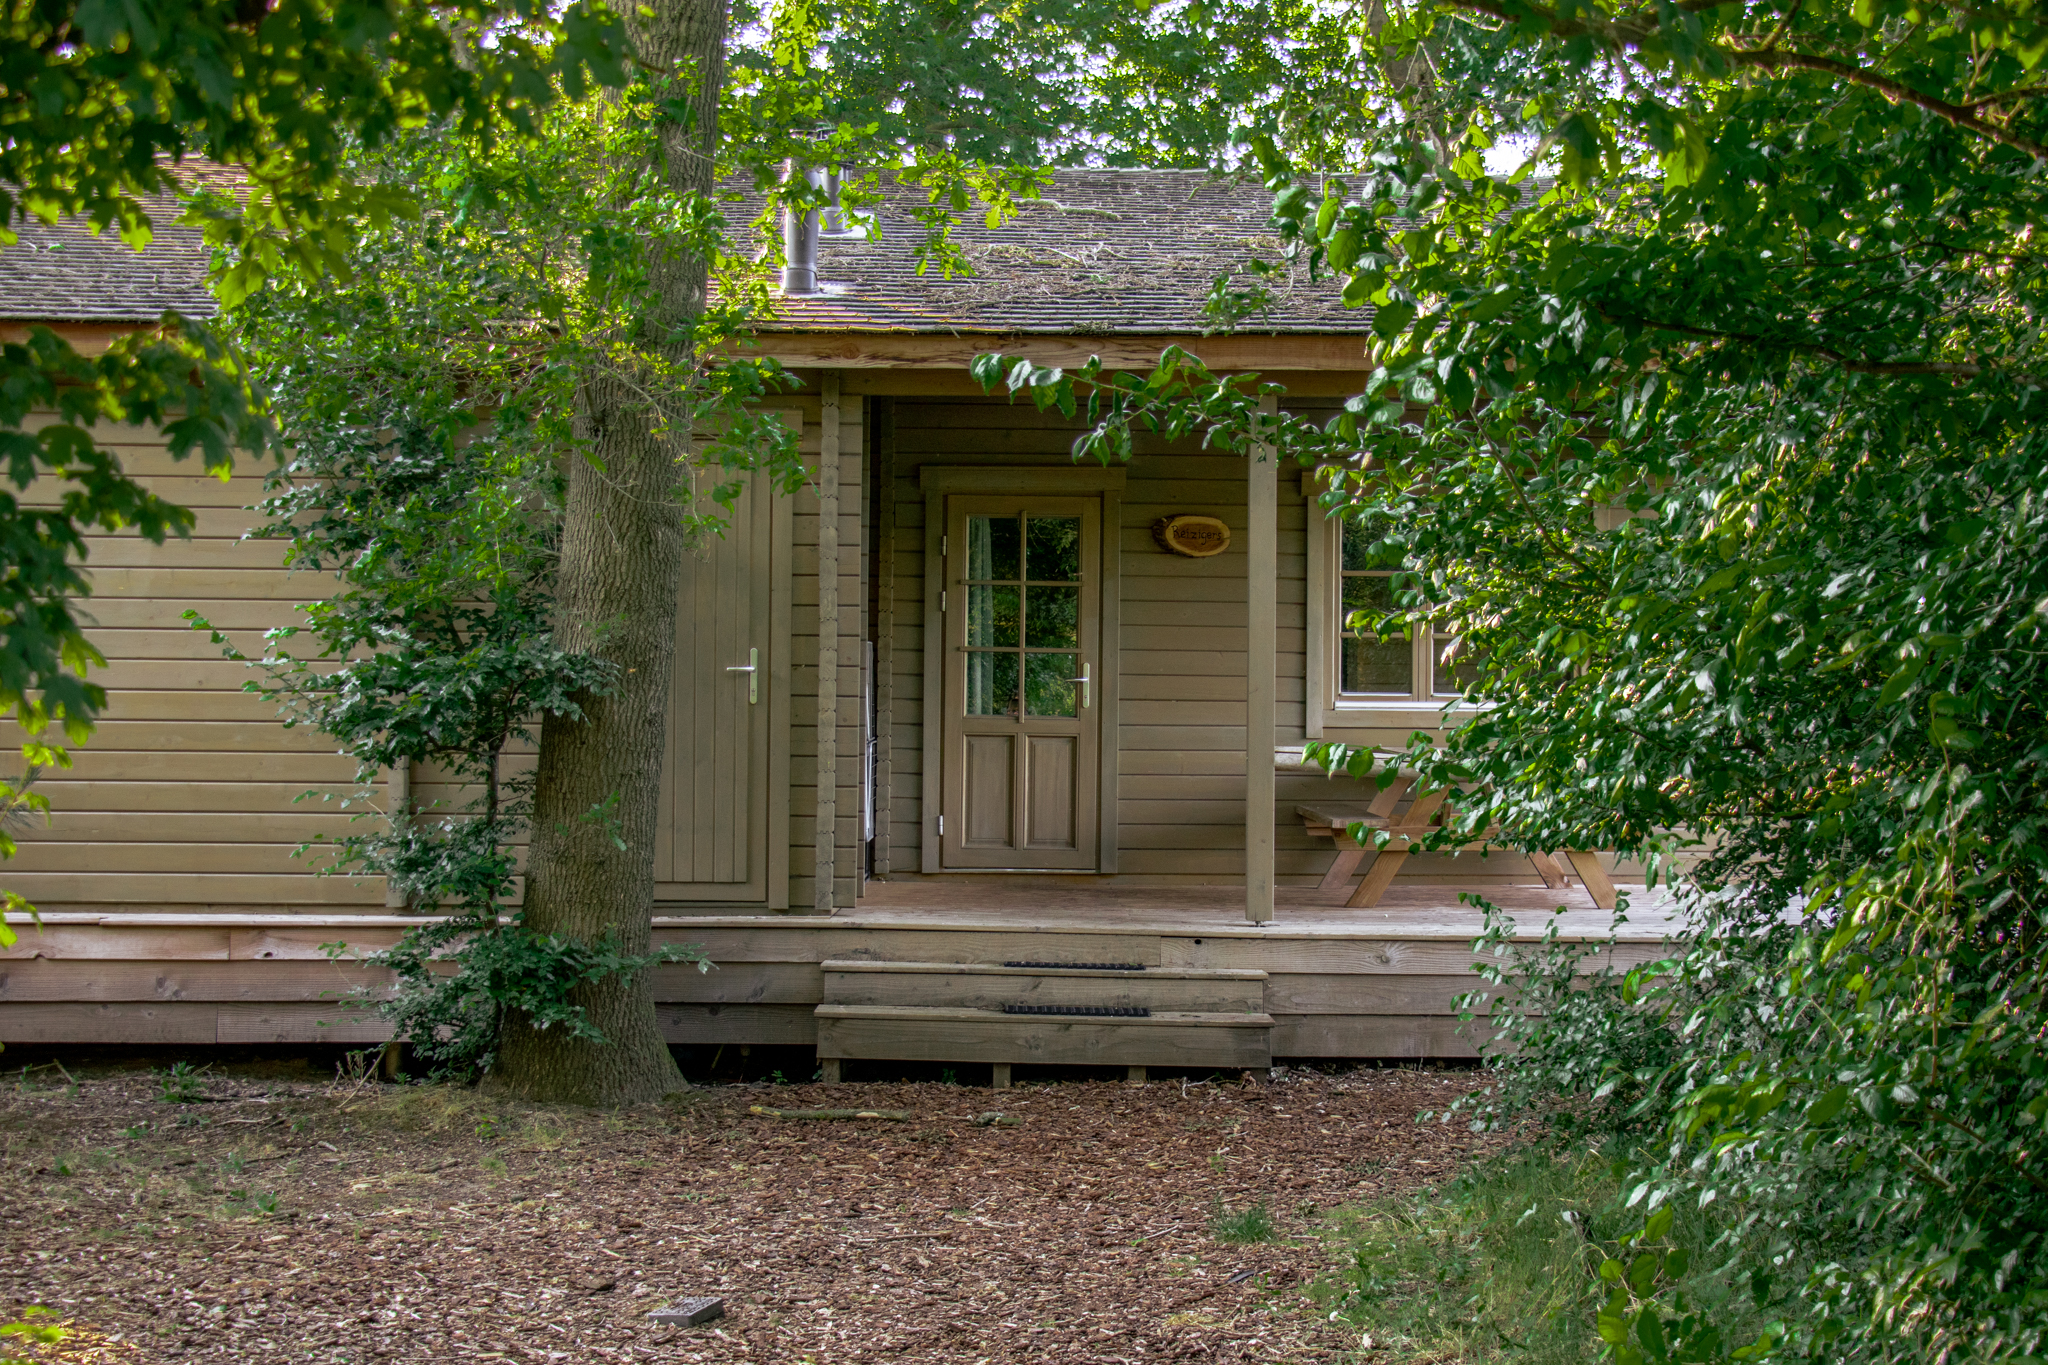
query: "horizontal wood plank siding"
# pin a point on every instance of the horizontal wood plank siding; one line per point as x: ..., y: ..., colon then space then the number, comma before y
x: 1181, y: 643
x: 192, y: 793
x: 187, y: 794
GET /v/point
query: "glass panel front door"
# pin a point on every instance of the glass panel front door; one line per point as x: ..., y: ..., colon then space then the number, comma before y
x: 1021, y: 626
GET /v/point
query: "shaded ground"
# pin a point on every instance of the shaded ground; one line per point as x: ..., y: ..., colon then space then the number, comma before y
x: 282, y: 1219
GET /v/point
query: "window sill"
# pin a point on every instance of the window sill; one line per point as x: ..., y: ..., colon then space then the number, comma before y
x: 1367, y: 724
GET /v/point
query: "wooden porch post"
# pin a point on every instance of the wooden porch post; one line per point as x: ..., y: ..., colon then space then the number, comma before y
x: 827, y: 845
x: 1262, y: 573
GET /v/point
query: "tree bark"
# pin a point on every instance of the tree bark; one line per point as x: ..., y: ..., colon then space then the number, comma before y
x: 621, y: 566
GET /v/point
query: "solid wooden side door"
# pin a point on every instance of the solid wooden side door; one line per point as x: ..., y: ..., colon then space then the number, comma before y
x: 713, y: 843
x: 1022, y: 744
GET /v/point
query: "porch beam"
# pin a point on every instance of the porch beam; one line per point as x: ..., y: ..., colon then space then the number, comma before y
x: 1262, y: 581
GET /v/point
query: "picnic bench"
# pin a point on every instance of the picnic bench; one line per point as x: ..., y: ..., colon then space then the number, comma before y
x: 1425, y: 815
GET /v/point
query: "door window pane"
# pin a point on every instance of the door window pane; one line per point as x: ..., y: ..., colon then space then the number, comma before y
x: 1052, y: 549
x: 1049, y: 686
x: 991, y: 684
x: 1052, y: 617
x: 991, y: 615
x: 992, y: 548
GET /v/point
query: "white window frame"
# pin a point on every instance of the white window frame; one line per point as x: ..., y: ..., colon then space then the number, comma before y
x: 1329, y: 714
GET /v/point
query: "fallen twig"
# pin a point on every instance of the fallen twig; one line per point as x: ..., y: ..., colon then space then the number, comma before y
x: 895, y: 1115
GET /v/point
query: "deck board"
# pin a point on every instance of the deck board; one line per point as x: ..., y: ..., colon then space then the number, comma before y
x: 1408, y: 910
x: 1375, y: 982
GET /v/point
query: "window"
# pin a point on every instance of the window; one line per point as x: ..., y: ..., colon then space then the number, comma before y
x: 1419, y: 666
x: 1358, y: 681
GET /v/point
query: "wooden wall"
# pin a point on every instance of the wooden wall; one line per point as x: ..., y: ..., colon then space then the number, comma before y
x: 1180, y: 741
x: 188, y: 798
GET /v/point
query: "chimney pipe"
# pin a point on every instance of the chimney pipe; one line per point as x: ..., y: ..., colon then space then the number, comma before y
x: 800, y: 239
x: 835, y: 219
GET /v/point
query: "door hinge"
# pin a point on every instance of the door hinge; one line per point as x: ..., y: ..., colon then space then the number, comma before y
x: 942, y: 826
x: 942, y: 600
x: 945, y: 541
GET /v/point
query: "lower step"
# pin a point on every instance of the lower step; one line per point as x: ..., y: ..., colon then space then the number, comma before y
x: 940, y: 1034
x: 986, y: 986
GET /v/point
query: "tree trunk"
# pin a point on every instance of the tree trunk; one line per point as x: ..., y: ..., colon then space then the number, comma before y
x: 621, y: 567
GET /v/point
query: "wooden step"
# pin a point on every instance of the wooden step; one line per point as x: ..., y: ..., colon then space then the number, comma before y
x: 937, y: 1033
x: 985, y: 986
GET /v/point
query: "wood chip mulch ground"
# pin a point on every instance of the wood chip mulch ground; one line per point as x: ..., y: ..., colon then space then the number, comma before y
x: 285, y: 1220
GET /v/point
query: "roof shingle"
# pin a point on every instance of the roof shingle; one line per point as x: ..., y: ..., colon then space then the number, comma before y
x: 65, y: 272
x: 1102, y: 253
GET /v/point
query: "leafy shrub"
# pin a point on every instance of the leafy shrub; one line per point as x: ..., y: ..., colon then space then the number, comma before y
x: 181, y: 1083
x: 1502, y: 1264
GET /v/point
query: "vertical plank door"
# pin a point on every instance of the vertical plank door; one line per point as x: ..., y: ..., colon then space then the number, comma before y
x: 713, y: 840
x: 1022, y: 744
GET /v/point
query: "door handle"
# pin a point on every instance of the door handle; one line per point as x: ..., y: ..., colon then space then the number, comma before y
x: 1085, y: 685
x: 752, y: 668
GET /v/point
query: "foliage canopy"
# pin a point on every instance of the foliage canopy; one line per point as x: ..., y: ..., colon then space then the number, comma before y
x: 1714, y: 434
x: 104, y: 102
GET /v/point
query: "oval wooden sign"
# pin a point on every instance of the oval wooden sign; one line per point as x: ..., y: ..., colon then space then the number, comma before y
x: 1196, y: 537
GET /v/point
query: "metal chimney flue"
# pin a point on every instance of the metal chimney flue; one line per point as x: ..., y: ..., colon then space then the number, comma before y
x: 800, y: 239
x: 835, y: 217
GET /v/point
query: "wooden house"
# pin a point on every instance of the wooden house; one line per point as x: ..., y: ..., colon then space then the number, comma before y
x: 959, y: 703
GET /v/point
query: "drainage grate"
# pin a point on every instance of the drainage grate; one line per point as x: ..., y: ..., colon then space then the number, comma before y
x: 1084, y: 966
x: 1093, y: 1011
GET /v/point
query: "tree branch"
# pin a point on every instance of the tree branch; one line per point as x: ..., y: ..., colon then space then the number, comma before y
x: 1898, y: 92
x: 1956, y: 369
x: 1632, y: 36
x: 1536, y: 520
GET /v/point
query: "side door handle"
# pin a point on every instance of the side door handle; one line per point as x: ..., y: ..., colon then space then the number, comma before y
x: 752, y: 668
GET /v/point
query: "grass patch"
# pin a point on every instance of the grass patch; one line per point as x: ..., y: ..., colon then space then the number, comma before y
x: 1251, y: 1224
x: 1502, y: 1265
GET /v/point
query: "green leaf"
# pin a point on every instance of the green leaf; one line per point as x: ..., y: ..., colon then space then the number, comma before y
x: 1650, y: 1332
x: 1491, y: 305
x: 1343, y: 247
x: 1391, y: 318
x: 1658, y: 1226
x: 1896, y: 686
x: 1828, y: 1105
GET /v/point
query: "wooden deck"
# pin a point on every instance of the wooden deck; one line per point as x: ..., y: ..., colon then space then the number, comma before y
x: 1339, y: 982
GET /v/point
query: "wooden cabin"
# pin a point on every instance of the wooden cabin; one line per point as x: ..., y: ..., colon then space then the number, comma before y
x: 1003, y: 708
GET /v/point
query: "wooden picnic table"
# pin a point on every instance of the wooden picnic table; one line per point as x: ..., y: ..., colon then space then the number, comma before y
x: 1424, y: 816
